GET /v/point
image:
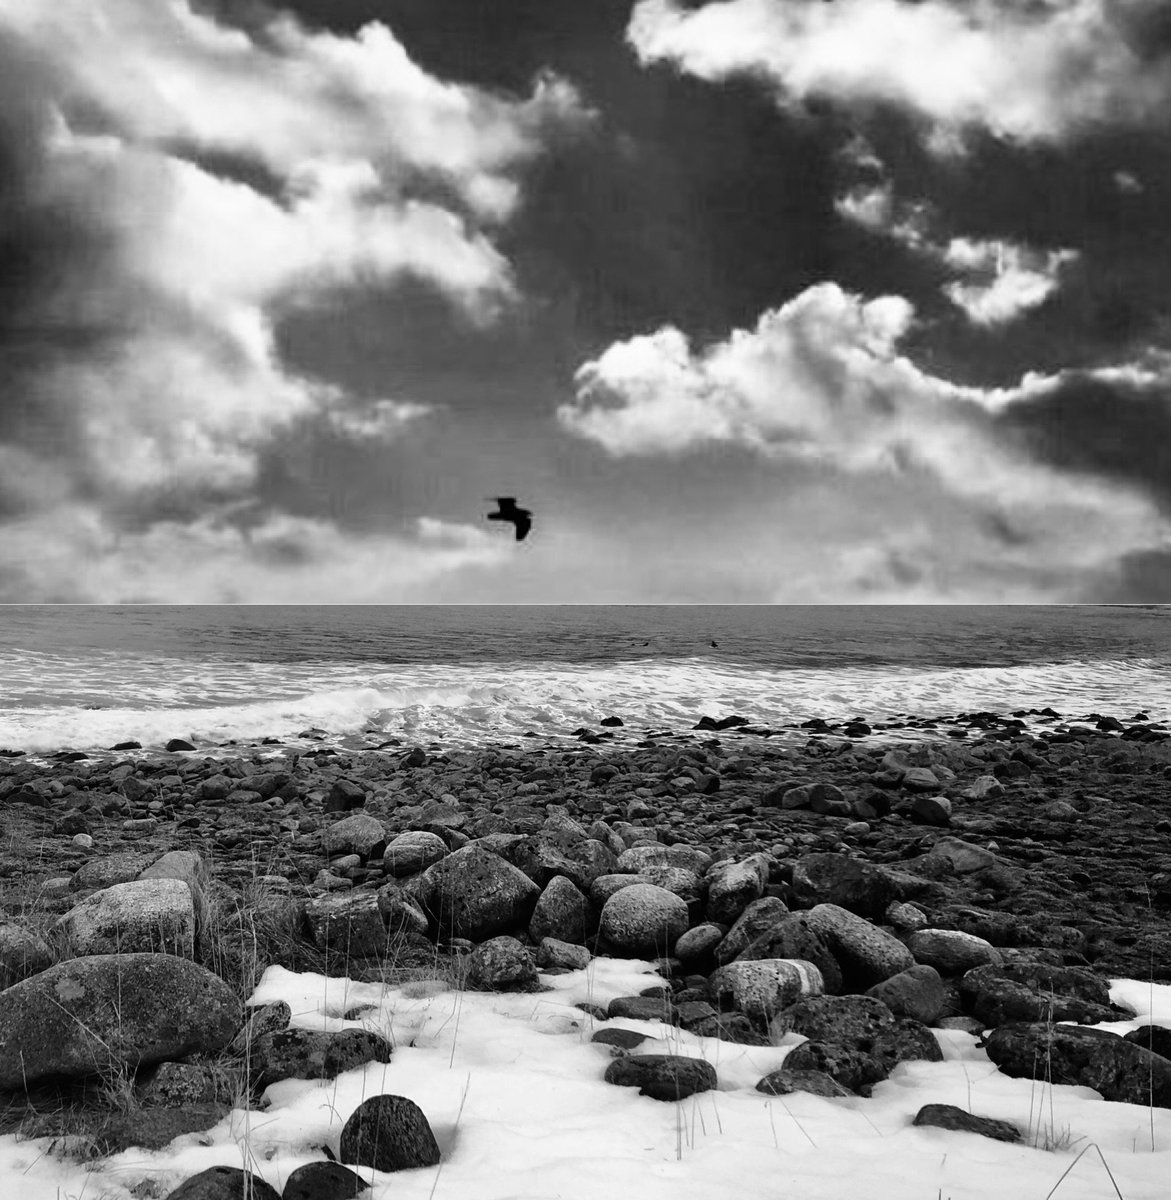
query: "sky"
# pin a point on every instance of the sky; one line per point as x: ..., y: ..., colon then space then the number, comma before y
x: 514, y: 1091
x: 749, y: 301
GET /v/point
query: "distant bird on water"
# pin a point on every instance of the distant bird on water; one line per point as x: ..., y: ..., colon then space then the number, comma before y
x: 507, y: 510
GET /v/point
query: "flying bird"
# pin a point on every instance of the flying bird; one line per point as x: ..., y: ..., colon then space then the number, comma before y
x: 507, y: 510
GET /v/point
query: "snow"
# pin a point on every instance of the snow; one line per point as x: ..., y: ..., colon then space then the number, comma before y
x: 513, y: 1089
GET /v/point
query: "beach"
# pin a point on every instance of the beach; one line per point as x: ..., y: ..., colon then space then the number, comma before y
x: 1070, y: 817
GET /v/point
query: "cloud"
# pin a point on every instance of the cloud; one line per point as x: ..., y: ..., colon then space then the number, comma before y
x: 1000, y: 280
x: 174, y: 188
x: 75, y: 554
x: 820, y: 381
x: 1027, y: 70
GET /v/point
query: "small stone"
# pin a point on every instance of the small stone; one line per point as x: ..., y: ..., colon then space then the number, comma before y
x: 784, y: 1081
x: 948, y: 1116
x: 223, y: 1183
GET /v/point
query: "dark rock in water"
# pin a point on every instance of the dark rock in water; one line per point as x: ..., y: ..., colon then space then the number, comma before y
x: 389, y: 1133
x: 948, y: 1116
x: 179, y: 744
x: 312, y: 1054
x: 613, y: 722
x: 501, y: 964
x: 621, y: 1039
x: 224, y: 1183
x: 1118, y: 1069
x: 127, y: 746
x: 784, y: 1082
x: 663, y: 1076
x: 416, y: 757
x: 323, y: 1181
x: 1155, y: 1038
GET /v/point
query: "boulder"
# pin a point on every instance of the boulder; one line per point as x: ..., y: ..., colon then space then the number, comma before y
x: 948, y: 1116
x: 501, y: 964
x: 186, y: 865
x: 223, y: 1183
x: 794, y: 936
x: 323, y: 1181
x: 358, y: 834
x: 663, y: 1076
x: 350, y: 923
x: 554, y: 953
x: 733, y: 887
x: 412, y: 852
x: 952, y: 952
x: 389, y: 1133
x: 784, y: 1081
x: 763, y: 987
x: 140, y: 915
x: 312, y: 1054
x: 931, y: 810
x: 475, y: 894
x: 1119, y: 1070
x: 1035, y: 991
x: 699, y: 943
x: 107, y: 1011
x: 851, y: 883
x: 644, y: 920
x: 562, y: 911
x: 867, y: 954
x: 757, y: 919
x: 637, y: 858
x: 918, y: 992
x: 22, y: 953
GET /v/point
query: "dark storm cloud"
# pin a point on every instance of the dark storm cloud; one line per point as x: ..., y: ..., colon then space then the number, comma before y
x: 1112, y: 428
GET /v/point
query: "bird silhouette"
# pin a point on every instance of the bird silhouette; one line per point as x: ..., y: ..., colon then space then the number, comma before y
x: 507, y: 510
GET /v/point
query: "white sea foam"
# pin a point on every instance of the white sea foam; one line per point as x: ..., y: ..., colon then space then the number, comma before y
x: 55, y: 703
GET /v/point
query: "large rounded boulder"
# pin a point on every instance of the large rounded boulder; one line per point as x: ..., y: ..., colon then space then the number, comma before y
x: 104, y: 1012
x: 473, y: 893
x: 644, y: 920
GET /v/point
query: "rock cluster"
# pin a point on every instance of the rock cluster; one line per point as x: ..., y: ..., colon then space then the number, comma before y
x: 851, y: 896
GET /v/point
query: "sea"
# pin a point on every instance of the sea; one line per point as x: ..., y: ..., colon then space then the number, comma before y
x: 86, y: 678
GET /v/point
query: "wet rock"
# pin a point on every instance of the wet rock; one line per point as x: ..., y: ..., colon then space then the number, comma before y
x: 389, y: 1133
x: 1118, y: 1069
x: 918, y: 992
x: 851, y: 883
x: 663, y: 1076
x: 475, y: 894
x: 87, y: 1015
x: 312, y: 1054
x: 501, y: 964
x: 644, y: 920
x: 951, y: 952
x: 176, y: 744
x: 785, y: 1081
x: 222, y: 1183
x: 948, y: 1116
x: 412, y: 852
x: 763, y: 987
x: 867, y: 954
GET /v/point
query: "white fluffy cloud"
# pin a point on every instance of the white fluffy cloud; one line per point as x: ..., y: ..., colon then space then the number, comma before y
x: 999, y: 280
x: 1025, y: 70
x: 372, y: 170
x: 821, y: 380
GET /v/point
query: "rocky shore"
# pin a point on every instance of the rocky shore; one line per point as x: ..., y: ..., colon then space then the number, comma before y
x: 852, y: 893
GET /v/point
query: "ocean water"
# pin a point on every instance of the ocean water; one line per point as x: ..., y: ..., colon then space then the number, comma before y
x: 83, y: 678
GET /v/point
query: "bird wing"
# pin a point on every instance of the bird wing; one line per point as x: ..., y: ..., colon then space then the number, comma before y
x: 523, y: 525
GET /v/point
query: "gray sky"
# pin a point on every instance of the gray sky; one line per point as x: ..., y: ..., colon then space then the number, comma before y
x: 759, y: 300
